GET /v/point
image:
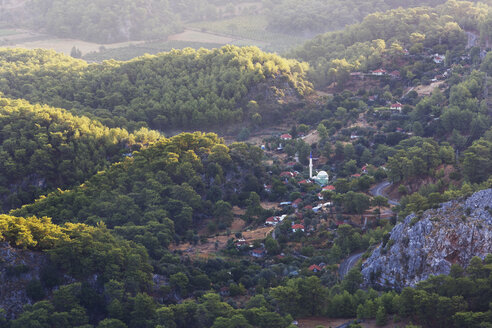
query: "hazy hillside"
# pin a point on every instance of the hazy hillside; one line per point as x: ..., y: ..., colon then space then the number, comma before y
x: 362, y: 46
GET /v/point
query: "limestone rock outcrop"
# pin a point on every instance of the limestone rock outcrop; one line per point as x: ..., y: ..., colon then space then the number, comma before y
x: 420, y: 247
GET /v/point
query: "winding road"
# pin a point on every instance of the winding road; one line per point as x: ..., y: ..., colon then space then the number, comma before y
x: 378, y: 190
x: 348, y: 264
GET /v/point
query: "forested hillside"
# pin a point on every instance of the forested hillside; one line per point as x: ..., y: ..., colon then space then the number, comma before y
x: 364, y: 46
x: 181, y: 89
x: 43, y: 148
x: 161, y: 190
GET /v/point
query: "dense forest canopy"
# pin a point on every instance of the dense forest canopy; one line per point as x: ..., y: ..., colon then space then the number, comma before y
x: 180, y: 89
x: 44, y: 148
x: 162, y: 189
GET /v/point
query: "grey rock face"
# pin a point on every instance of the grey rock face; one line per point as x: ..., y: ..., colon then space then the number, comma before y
x: 419, y: 248
x: 17, y: 269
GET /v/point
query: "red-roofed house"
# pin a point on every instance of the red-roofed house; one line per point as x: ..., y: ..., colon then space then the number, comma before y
x: 308, y: 207
x: 271, y: 221
x: 330, y: 188
x: 297, y: 227
x: 287, y: 174
x: 315, y: 268
x: 379, y: 72
x: 438, y: 59
x: 286, y: 136
x: 357, y: 175
x: 396, y: 106
x: 364, y: 169
x: 305, y: 182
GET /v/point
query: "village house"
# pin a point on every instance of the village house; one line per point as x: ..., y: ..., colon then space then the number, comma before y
x: 379, y: 72
x: 396, y: 106
x: 297, y: 227
x: 287, y: 174
x: 315, y: 268
x: 438, y: 59
x: 329, y: 188
x: 286, y: 136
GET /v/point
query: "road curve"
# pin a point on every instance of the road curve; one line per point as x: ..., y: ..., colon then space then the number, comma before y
x: 348, y: 264
x: 378, y: 190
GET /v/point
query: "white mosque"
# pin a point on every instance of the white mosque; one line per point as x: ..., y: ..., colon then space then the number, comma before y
x: 322, y: 178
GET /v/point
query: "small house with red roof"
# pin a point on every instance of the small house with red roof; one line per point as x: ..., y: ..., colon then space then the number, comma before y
x: 315, y: 268
x: 286, y: 136
x: 438, y: 59
x: 379, y: 72
x: 396, y: 106
x: 271, y: 221
x: 297, y: 227
x: 329, y: 188
x: 364, y: 169
x: 356, y: 175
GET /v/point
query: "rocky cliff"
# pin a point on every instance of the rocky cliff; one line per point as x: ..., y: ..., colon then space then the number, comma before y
x: 428, y: 245
x: 17, y: 269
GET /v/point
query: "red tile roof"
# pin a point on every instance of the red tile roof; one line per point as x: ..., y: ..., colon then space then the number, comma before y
x: 314, y: 266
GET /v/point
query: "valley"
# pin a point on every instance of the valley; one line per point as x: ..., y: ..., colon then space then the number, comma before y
x: 244, y: 164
